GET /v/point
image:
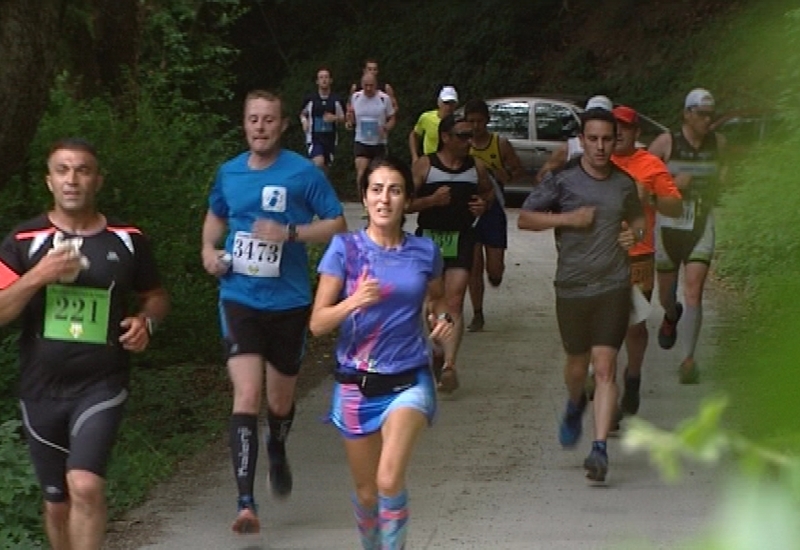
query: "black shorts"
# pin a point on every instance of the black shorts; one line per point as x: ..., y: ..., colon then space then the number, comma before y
x: 465, y: 252
x: 492, y: 228
x: 322, y: 147
x: 72, y: 434
x: 369, y: 151
x: 594, y: 321
x: 279, y: 337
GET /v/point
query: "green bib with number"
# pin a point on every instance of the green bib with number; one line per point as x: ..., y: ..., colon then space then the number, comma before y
x: 76, y: 314
x: 447, y: 241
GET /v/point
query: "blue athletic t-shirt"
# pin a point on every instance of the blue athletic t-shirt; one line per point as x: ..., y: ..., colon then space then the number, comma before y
x: 389, y: 336
x: 292, y: 190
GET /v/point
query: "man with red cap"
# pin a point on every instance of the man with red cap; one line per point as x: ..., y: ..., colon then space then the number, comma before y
x: 657, y: 191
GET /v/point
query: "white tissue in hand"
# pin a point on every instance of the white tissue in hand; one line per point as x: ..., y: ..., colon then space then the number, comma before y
x: 73, y: 245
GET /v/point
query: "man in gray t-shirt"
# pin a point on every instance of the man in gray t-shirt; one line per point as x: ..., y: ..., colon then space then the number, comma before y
x: 596, y: 213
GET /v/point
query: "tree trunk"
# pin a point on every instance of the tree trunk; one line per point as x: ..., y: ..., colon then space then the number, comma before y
x: 29, y: 37
x: 116, y: 44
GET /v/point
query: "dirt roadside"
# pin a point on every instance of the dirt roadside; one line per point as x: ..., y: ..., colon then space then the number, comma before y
x: 140, y: 526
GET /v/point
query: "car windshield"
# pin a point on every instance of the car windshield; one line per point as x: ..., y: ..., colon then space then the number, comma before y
x: 555, y: 122
x: 509, y: 119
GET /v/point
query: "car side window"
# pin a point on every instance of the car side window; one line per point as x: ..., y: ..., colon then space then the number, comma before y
x: 555, y: 122
x: 510, y: 119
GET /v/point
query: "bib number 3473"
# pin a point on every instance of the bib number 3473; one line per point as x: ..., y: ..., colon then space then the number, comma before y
x: 254, y: 257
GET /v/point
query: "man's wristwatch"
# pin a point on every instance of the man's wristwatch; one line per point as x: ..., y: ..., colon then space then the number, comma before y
x: 444, y: 317
x: 291, y: 232
x: 150, y: 324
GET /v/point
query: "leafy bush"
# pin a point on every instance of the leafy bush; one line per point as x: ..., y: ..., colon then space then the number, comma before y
x: 20, y: 499
x: 760, y: 507
x: 759, y: 247
x: 9, y: 373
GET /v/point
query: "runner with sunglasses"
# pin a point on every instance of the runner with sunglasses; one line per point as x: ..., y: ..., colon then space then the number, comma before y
x: 694, y: 156
x: 452, y: 191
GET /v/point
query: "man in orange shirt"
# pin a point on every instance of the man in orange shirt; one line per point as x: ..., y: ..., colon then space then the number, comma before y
x: 657, y: 191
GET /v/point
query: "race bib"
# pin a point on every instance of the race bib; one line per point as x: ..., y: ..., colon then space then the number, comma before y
x: 321, y: 126
x: 254, y: 257
x: 643, y: 274
x: 76, y: 314
x: 447, y: 241
x: 369, y: 129
x: 685, y: 222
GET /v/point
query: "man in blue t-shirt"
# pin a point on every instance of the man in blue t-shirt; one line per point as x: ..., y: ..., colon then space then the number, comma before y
x: 266, y: 203
x: 321, y: 112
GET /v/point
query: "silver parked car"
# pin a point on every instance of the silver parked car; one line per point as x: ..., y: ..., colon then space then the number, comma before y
x: 536, y: 126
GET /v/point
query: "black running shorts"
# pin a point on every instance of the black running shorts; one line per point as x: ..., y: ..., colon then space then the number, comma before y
x: 600, y: 320
x: 279, y: 337
x: 369, y: 151
x: 464, y: 253
x: 72, y: 434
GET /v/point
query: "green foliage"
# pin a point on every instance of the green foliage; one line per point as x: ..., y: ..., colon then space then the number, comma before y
x: 9, y: 406
x: 185, y: 57
x: 742, y: 59
x: 758, y: 242
x: 762, y: 501
x: 20, y: 500
x: 159, y: 147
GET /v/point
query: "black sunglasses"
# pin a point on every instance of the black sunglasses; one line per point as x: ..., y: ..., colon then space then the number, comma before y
x: 704, y: 114
x: 463, y: 135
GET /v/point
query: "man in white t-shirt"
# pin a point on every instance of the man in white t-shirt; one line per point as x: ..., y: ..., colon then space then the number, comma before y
x: 372, y: 116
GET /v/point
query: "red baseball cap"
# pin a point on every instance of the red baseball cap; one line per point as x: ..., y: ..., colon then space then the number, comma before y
x: 626, y: 115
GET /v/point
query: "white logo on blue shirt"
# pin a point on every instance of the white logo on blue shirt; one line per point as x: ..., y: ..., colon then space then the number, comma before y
x: 273, y: 199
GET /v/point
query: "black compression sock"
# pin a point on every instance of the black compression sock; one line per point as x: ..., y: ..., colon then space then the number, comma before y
x: 243, y: 439
x: 279, y: 427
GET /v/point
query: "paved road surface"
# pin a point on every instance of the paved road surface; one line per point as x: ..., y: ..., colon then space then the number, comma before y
x: 490, y: 473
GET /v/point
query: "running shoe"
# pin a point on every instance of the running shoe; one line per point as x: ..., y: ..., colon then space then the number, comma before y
x: 668, y: 333
x: 280, y: 475
x: 569, y: 432
x: 477, y: 323
x: 438, y: 365
x: 448, y: 380
x: 689, y: 373
x: 596, y: 466
x: 629, y: 404
x: 246, y: 522
x: 616, y: 422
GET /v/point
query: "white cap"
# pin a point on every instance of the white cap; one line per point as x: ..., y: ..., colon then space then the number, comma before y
x: 599, y: 102
x: 448, y: 93
x: 699, y: 97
